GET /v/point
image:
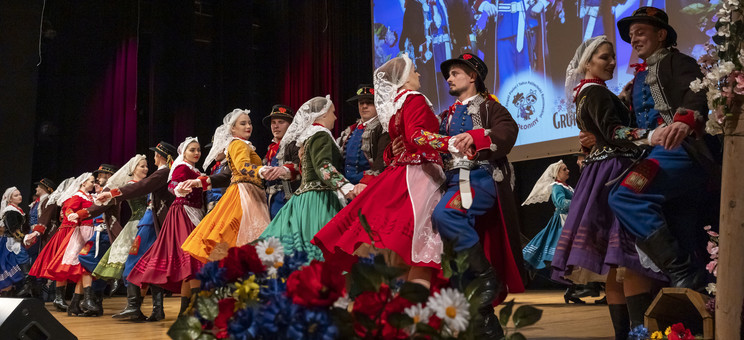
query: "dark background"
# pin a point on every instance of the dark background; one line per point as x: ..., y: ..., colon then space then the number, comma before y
x: 197, y: 60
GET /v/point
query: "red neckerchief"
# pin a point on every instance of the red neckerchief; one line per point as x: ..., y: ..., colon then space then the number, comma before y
x: 359, y: 126
x: 17, y: 208
x: 587, y: 81
x: 216, y: 166
x: 640, y: 67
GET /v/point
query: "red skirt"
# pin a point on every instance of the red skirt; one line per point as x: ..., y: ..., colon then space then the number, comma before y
x: 57, y: 244
x: 165, y: 264
x: 387, y: 206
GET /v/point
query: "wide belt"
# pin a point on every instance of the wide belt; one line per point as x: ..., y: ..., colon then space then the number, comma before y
x: 450, y: 164
x: 516, y: 7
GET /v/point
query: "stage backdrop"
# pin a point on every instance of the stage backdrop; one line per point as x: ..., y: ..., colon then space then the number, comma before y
x: 534, y: 41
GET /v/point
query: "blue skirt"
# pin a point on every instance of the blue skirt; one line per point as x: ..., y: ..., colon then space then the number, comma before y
x: 10, y: 272
x: 542, y: 247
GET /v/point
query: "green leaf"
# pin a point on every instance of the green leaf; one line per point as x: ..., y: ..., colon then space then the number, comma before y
x: 516, y: 336
x: 185, y: 328
x: 345, y: 322
x: 526, y: 315
x: 462, y: 262
x: 506, y: 312
x: 364, y: 278
x: 414, y: 292
x: 425, y: 329
x: 400, y: 320
x: 206, y: 336
x: 208, y: 307
x: 367, y: 228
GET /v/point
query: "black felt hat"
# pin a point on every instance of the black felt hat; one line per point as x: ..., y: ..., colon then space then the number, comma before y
x: 47, y: 183
x: 649, y: 15
x: 364, y: 91
x: 279, y: 111
x: 165, y: 150
x: 105, y: 169
x: 470, y: 60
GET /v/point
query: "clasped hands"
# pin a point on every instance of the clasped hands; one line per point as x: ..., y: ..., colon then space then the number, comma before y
x: 463, y: 143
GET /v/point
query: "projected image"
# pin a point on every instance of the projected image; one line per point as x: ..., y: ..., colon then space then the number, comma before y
x: 526, y: 45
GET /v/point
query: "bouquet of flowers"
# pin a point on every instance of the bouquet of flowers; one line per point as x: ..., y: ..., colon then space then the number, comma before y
x: 259, y: 292
x: 722, y: 66
x: 674, y: 332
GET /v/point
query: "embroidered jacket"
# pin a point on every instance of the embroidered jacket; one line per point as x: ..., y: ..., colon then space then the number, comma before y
x: 418, y: 125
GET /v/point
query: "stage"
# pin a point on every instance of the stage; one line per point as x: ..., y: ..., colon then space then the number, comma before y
x: 560, y: 321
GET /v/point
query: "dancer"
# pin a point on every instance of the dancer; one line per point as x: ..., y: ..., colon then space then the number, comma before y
x: 13, y: 258
x: 593, y: 247
x: 399, y: 202
x: 165, y: 264
x: 316, y: 201
x: 284, y: 178
x: 241, y: 215
x: 39, y: 222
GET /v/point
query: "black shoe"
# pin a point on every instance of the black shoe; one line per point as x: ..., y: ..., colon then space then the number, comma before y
x: 480, y: 268
x: 90, y: 305
x: 620, y: 321
x: 134, y: 303
x: 637, y: 306
x: 74, y: 307
x: 157, y: 304
x: 569, y: 296
x: 602, y: 301
x: 590, y: 289
x: 115, y: 286
x: 59, y: 299
x: 677, y: 263
x: 28, y: 287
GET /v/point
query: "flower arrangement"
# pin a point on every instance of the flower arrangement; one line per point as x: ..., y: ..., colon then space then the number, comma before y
x: 722, y: 66
x: 259, y: 292
x: 674, y: 332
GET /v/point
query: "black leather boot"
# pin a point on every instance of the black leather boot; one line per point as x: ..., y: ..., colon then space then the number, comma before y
x: 74, y: 308
x: 89, y: 305
x: 134, y: 303
x: 27, y: 290
x: 480, y: 268
x: 620, y: 321
x: 677, y: 263
x: 157, y: 304
x: 115, y: 285
x: 59, y: 299
x: 637, y: 306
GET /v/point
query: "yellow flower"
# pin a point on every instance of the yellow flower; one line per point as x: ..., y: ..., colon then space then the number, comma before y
x: 667, y: 331
x: 246, y: 291
x: 656, y: 336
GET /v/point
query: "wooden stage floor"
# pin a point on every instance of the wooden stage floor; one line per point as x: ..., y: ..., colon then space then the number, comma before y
x: 559, y: 322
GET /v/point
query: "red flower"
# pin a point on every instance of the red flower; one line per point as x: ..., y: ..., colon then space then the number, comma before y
x: 227, y: 309
x: 467, y: 56
x: 240, y: 260
x: 435, y: 322
x: 679, y: 332
x: 282, y: 110
x: 316, y: 285
x: 371, y: 91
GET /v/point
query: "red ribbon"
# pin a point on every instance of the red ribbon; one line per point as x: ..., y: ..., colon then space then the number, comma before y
x: 640, y: 67
x: 587, y: 81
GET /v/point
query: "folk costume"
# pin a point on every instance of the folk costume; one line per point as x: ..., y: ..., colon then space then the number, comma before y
x: 241, y: 215
x: 662, y: 200
x: 363, y: 144
x: 39, y: 218
x: 280, y: 190
x: 399, y: 202
x: 165, y: 264
x: 317, y: 200
x: 12, y: 219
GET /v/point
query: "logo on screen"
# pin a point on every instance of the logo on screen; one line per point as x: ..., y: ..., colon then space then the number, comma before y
x: 526, y: 102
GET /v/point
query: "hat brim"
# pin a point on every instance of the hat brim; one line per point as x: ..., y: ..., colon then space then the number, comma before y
x: 360, y: 96
x: 267, y: 120
x: 447, y: 64
x: 623, y: 25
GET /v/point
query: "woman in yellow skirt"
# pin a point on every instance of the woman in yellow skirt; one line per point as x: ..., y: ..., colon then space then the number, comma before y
x: 241, y: 215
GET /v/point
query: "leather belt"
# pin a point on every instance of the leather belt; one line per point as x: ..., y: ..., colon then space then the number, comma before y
x: 450, y: 164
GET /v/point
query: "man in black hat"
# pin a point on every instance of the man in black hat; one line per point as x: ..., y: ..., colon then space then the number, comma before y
x: 479, y: 179
x: 364, y: 142
x: 284, y: 176
x: 156, y: 184
x: 662, y: 199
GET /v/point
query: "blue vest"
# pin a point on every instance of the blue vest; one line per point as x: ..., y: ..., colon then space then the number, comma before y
x: 460, y: 122
x: 356, y: 162
x: 274, y: 161
x: 33, y: 214
x: 643, y: 103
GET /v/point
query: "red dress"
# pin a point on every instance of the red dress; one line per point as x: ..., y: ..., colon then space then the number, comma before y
x: 165, y: 263
x: 49, y: 262
x: 398, y: 203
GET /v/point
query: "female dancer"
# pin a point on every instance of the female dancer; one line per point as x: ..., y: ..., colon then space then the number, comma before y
x: 398, y: 204
x: 165, y: 264
x: 593, y: 247
x: 241, y: 215
x: 12, y: 219
x: 316, y: 201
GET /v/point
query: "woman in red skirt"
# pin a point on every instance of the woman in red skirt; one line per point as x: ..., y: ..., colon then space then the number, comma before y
x: 165, y: 264
x: 397, y: 204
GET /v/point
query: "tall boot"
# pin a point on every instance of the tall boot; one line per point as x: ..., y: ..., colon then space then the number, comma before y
x: 620, y: 321
x: 74, y: 308
x: 89, y: 305
x: 59, y: 299
x: 637, y: 306
x: 99, y: 302
x: 480, y: 268
x: 157, y: 304
x: 28, y: 287
x: 676, y: 262
x: 134, y: 303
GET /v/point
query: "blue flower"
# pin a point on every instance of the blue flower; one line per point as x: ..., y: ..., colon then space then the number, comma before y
x: 243, y: 325
x: 639, y: 333
x: 312, y: 324
x: 211, y: 276
x: 271, y: 288
x: 292, y: 262
x: 275, y: 316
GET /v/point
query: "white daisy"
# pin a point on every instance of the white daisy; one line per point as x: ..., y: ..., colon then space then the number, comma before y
x: 451, y: 306
x: 419, y: 314
x: 270, y: 251
x: 342, y: 302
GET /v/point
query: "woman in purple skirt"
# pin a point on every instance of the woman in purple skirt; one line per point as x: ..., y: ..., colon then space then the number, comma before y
x: 593, y: 247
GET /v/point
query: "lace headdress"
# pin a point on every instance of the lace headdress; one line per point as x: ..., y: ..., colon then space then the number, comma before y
x: 125, y: 173
x: 54, y: 197
x: 223, y: 135
x: 544, y: 187
x: 6, y: 201
x: 302, y: 125
x: 388, y: 78
x: 179, y: 160
x: 576, y: 70
x: 73, y: 188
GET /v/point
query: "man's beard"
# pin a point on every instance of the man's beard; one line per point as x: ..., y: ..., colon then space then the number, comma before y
x: 455, y: 92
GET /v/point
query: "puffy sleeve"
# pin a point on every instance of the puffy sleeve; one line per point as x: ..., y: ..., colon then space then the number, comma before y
x: 600, y: 105
x: 180, y: 174
x: 320, y: 148
x: 559, y: 198
x: 421, y: 125
x: 246, y: 161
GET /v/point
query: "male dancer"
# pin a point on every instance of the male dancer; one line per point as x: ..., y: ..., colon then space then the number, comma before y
x: 40, y: 221
x: 281, y: 181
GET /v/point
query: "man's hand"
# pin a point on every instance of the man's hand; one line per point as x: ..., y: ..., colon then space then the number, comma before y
x: 358, y: 189
x: 398, y: 146
x: 675, y: 134
x: 624, y: 95
x: 350, y: 195
x: 463, y: 142
x: 103, y: 197
x: 587, y: 139
x: 274, y: 173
